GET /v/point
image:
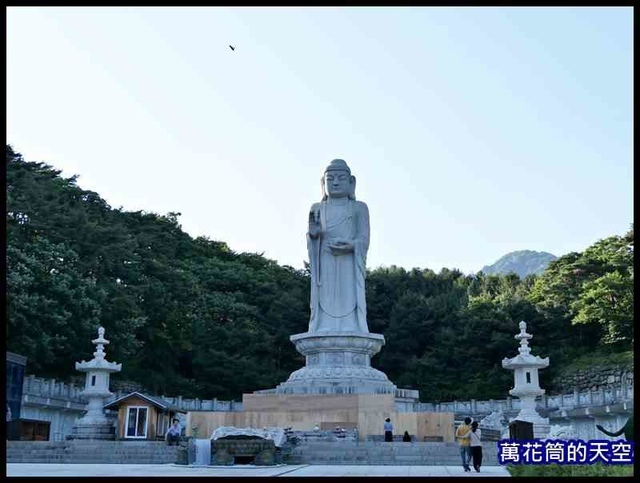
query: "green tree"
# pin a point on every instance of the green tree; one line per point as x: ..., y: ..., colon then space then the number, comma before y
x: 52, y: 312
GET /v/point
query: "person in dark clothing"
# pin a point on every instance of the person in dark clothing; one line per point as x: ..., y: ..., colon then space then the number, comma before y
x: 173, y: 433
x: 388, y: 430
x: 406, y: 438
x: 476, y: 446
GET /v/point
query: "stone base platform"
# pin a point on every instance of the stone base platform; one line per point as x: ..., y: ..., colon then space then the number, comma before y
x: 102, y: 432
x: 366, y: 412
x: 337, y: 363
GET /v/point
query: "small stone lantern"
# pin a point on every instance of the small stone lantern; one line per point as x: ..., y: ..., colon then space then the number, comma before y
x: 94, y: 424
x: 527, y: 385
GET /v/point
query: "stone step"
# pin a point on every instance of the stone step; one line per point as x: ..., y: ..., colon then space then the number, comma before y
x: 91, y: 452
x: 380, y: 453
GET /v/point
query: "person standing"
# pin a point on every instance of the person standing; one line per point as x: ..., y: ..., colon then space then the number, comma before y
x: 463, y: 434
x: 388, y: 431
x: 476, y: 445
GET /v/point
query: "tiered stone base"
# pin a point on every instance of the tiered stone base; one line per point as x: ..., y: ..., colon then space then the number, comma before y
x: 541, y: 426
x: 337, y: 363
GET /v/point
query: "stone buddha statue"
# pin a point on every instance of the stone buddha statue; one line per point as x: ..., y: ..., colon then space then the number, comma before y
x: 337, y: 242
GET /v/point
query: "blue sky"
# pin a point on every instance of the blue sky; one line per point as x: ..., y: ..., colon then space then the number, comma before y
x: 472, y: 132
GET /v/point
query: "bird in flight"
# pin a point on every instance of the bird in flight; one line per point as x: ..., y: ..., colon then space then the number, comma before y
x: 232, y: 47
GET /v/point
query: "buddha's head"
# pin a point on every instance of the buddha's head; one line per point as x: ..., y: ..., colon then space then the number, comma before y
x: 338, y: 182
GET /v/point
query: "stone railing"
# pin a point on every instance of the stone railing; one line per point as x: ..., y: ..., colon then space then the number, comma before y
x: 46, y: 390
x: 575, y: 400
x: 203, y: 404
x: 403, y: 394
x: 36, y: 386
x: 265, y: 391
x: 407, y: 394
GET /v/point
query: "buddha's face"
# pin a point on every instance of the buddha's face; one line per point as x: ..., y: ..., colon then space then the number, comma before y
x: 337, y: 184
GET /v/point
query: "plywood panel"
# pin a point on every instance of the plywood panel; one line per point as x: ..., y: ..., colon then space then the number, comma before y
x: 372, y: 422
x: 369, y: 420
x: 406, y: 422
x: 435, y: 424
x: 377, y: 402
x: 298, y: 402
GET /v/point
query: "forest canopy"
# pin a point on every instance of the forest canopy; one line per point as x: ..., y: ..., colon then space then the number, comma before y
x: 190, y: 316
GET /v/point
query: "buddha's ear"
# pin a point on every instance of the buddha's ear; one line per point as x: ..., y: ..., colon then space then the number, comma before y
x: 352, y: 191
x: 324, y: 193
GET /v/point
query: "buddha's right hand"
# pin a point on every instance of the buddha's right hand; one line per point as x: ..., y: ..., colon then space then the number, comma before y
x: 314, y: 225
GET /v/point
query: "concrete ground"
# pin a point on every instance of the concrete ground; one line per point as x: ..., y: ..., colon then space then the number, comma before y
x: 46, y: 469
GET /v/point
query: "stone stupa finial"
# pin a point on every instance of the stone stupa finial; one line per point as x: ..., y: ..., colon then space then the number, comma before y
x: 100, y: 342
x: 524, y: 339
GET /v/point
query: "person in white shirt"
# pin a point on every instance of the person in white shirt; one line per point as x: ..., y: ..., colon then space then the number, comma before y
x: 476, y: 445
x: 388, y: 430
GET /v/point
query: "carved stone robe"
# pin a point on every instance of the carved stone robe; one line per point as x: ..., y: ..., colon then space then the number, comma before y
x: 337, y: 281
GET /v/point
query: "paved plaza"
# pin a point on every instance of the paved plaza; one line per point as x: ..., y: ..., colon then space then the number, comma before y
x: 46, y: 469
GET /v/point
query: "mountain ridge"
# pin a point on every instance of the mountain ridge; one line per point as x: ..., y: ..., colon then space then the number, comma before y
x: 521, y: 262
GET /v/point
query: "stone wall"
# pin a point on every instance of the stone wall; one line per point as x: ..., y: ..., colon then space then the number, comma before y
x: 91, y: 452
x: 594, y: 379
x: 127, y: 386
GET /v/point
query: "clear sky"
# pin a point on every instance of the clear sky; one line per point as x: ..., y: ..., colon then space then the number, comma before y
x: 472, y: 132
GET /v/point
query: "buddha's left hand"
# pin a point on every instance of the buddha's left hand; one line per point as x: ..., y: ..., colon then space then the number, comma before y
x: 340, y: 247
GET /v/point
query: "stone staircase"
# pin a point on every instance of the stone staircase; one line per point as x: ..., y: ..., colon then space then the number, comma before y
x: 108, y: 452
x: 309, y: 452
x: 380, y: 453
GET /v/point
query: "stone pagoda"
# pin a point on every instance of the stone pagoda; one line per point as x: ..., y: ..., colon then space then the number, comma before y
x: 527, y: 385
x: 94, y: 424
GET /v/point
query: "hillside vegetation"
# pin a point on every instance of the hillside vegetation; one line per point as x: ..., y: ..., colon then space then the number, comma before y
x: 192, y: 317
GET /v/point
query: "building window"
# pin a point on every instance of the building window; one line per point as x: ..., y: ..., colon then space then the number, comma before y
x: 528, y: 378
x: 93, y: 380
x: 136, y: 423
